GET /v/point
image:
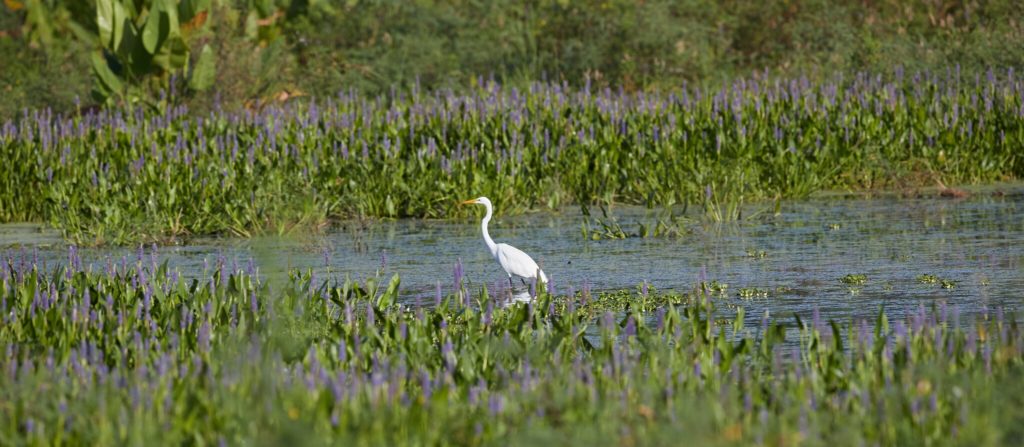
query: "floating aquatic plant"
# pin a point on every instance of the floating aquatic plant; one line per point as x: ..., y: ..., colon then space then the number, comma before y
x: 854, y: 279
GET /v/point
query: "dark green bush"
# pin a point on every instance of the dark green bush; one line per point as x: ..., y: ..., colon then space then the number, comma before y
x: 315, y: 47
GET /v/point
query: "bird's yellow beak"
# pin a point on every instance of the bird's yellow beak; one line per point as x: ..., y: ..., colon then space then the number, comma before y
x: 468, y: 202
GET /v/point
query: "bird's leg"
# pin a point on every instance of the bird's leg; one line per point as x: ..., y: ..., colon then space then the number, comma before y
x: 510, y: 286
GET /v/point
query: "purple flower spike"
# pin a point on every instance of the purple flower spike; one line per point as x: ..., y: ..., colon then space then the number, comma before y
x: 370, y: 315
x: 630, y: 329
x: 437, y: 295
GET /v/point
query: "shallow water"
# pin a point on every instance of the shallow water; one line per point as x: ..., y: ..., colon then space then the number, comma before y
x: 977, y: 242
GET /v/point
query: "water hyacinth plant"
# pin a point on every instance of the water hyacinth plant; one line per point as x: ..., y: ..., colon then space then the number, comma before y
x: 123, y: 175
x: 130, y: 351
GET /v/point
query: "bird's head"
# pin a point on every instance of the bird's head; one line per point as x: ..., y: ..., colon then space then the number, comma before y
x: 477, y: 201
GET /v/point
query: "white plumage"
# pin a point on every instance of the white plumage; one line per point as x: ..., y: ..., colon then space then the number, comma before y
x: 511, y: 259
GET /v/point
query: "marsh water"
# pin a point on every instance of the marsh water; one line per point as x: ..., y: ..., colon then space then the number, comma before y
x: 793, y: 261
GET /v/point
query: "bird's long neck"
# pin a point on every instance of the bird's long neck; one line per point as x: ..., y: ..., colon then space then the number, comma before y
x: 487, y: 237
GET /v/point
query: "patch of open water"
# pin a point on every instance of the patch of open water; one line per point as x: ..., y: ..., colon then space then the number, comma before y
x: 798, y: 256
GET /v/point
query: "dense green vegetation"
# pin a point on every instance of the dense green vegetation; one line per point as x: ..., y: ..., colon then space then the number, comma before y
x: 128, y: 174
x: 132, y: 352
x: 318, y: 47
x: 127, y: 121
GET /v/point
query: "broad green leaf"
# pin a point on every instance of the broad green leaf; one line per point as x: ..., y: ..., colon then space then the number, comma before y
x: 105, y: 21
x: 188, y: 9
x: 162, y: 57
x: 170, y: 9
x: 388, y: 297
x: 172, y: 55
x: 251, y: 27
x: 151, y: 30
x: 120, y: 21
x: 134, y: 53
x: 204, y: 70
x: 104, y: 76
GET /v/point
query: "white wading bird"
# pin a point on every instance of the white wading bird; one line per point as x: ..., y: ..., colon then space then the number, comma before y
x: 512, y: 259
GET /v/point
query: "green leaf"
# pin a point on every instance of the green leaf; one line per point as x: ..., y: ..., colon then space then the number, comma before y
x: 837, y: 336
x: 188, y: 9
x: 168, y: 7
x: 151, y: 30
x: 388, y: 297
x: 81, y: 33
x: 105, y: 21
x: 173, y: 54
x: 120, y: 18
x: 106, y: 79
x: 133, y: 54
x: 251, y: 27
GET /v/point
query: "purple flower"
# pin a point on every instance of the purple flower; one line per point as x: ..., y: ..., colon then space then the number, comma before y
x: 488, y: 313
x: 630, y: 329
x: 437, y: 295
x: 426, y: 385
x: 987, y: 354
x: 457, y: 273
x: 203, y: 338
x: 495, y: 404
x: 370, y: 315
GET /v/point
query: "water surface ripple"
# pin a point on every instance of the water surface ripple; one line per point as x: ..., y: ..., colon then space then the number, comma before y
x: 798, y: 256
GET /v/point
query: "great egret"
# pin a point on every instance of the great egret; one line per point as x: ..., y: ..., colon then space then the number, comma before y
x: 511, y: 259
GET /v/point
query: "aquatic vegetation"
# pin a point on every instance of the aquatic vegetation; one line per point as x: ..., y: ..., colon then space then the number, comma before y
x: 752, y: 292
x: 749, y: 293
x: 854, y: 279
x: 596, y: 229
x: 129, y: 351
x: 945, y: 283
x: 783, y: 290
x: 716, y: 287
x: 131, y: 174
x: 757, y: 254
x: 603, y: 229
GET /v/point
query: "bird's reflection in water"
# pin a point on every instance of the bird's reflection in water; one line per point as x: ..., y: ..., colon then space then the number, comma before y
x: 521, y: 297
x: 510, y: 297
